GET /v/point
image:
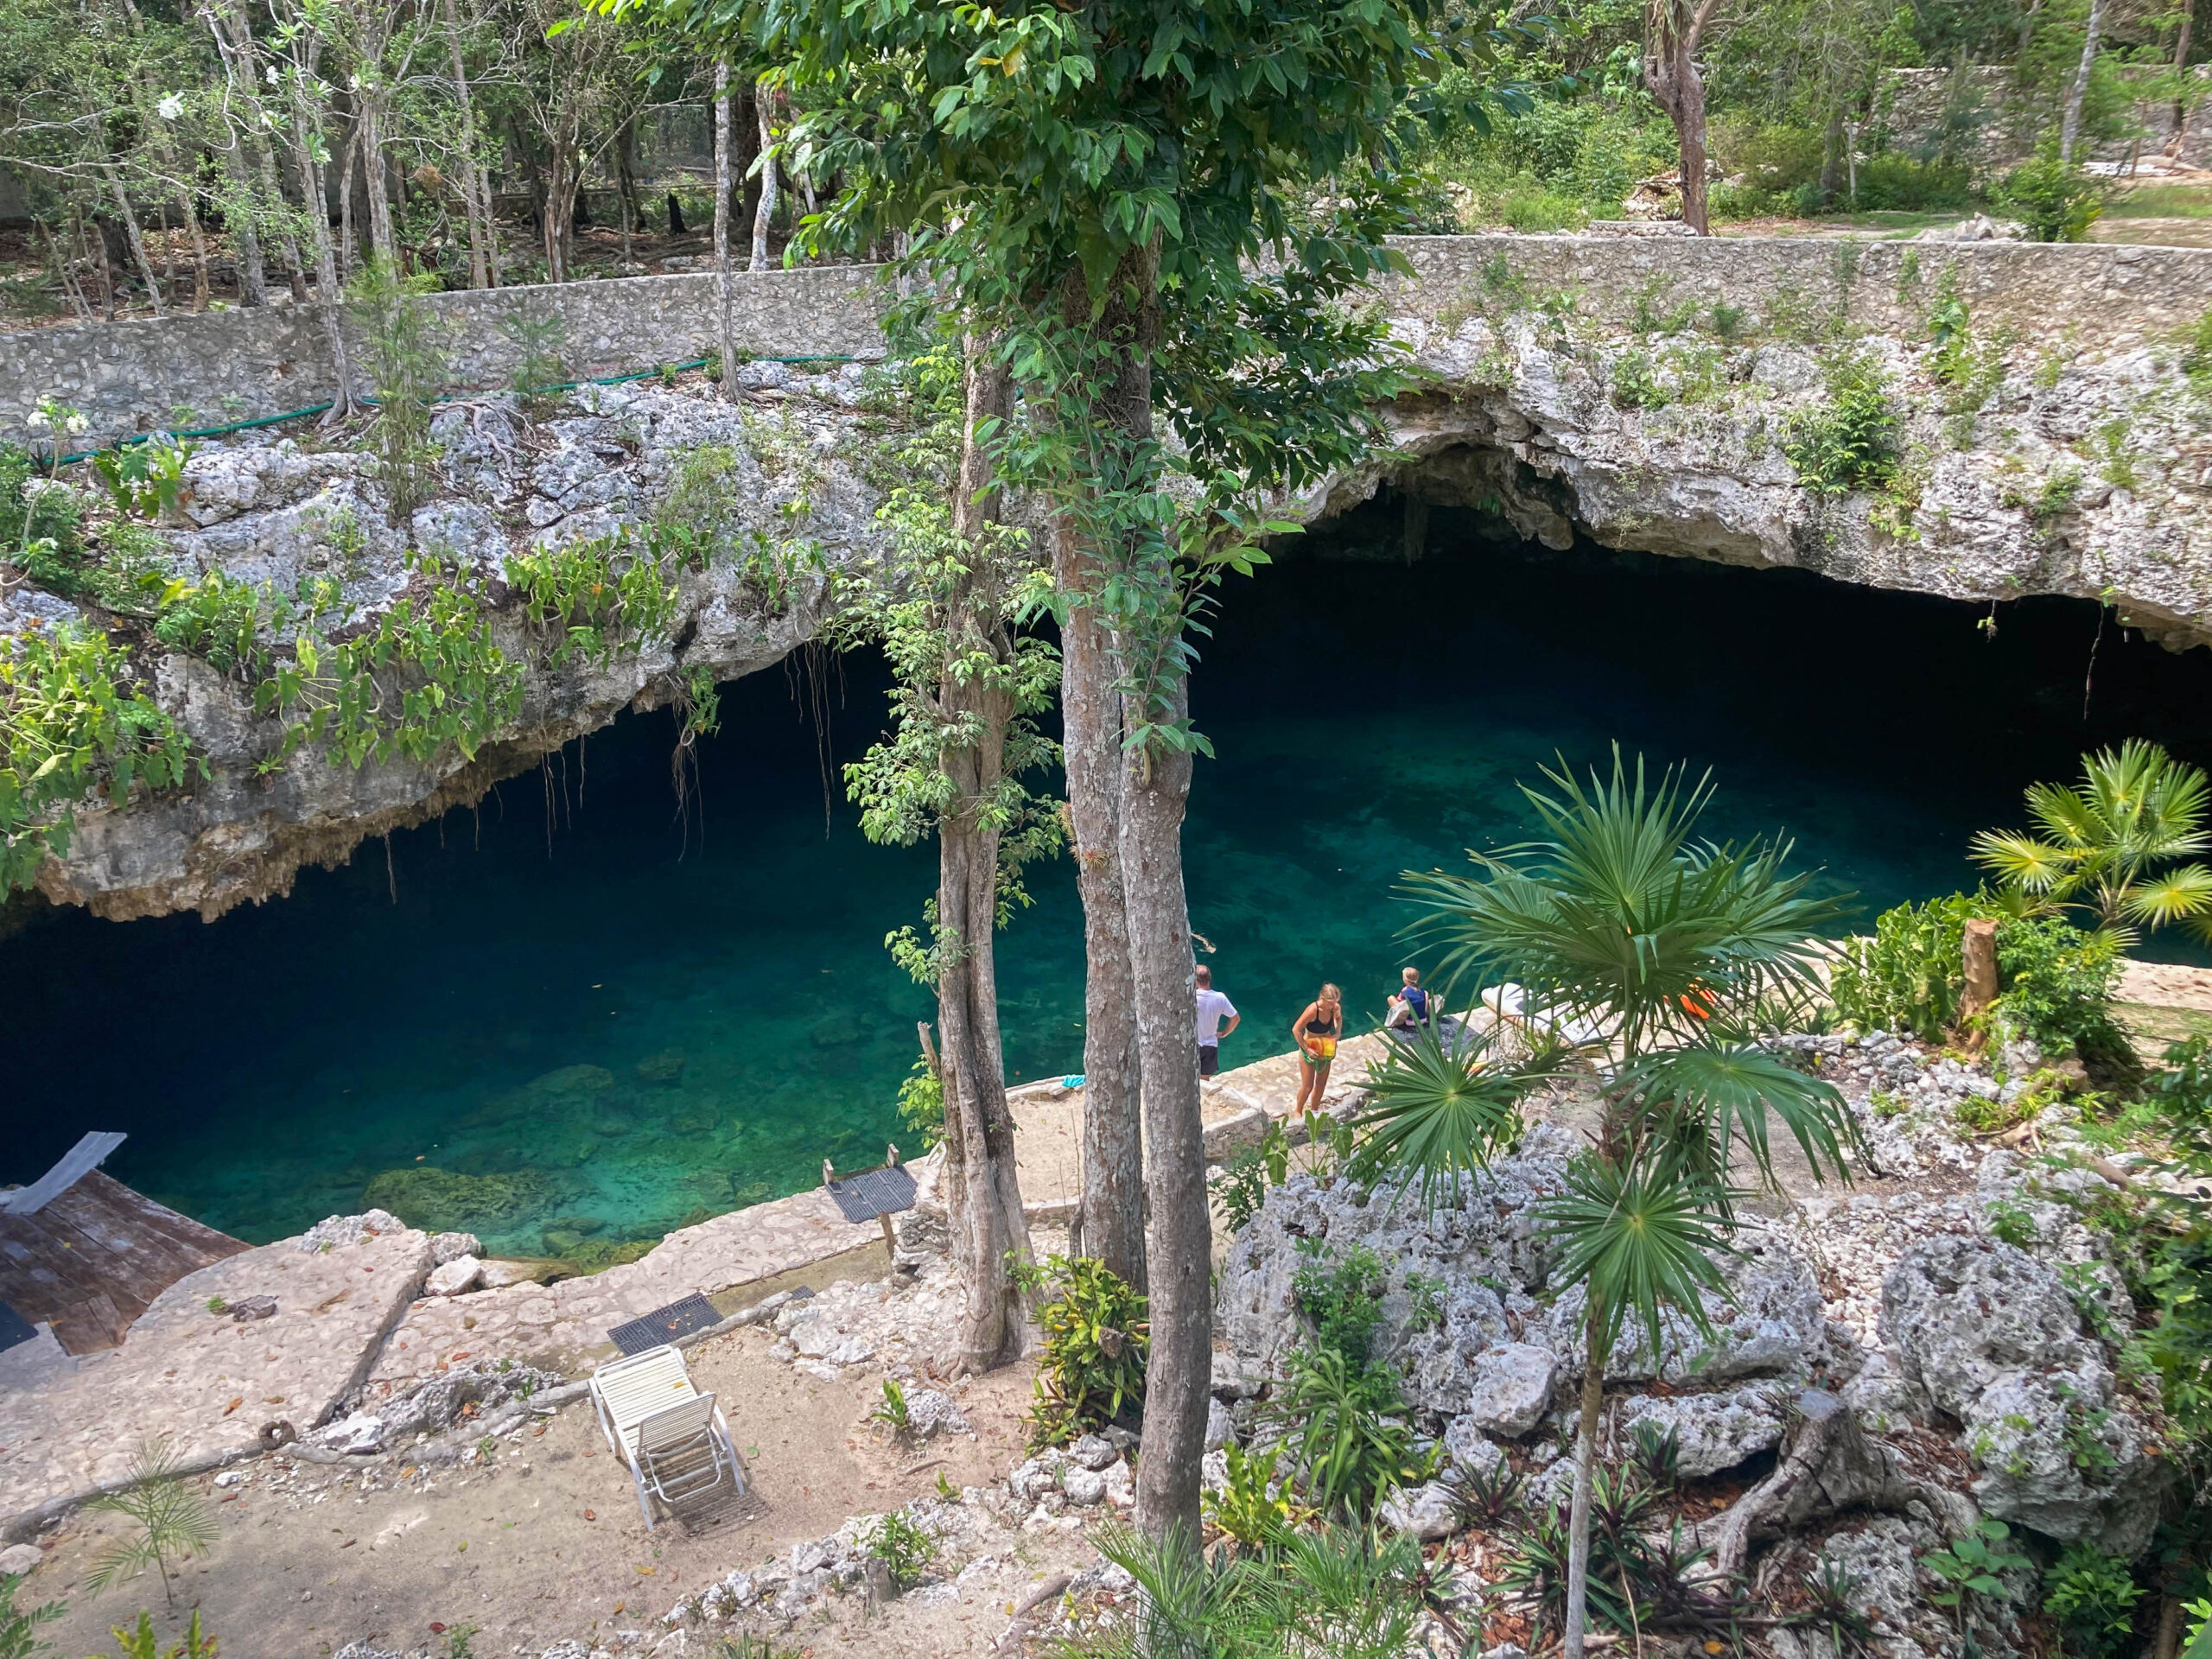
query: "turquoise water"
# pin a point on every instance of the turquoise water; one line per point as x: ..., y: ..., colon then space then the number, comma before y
x: 565, y: 1013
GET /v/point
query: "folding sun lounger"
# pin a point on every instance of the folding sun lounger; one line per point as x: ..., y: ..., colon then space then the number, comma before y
x: 673, y: 1438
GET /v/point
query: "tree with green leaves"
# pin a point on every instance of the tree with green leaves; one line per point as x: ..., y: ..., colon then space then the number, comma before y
x: 2112, y: 846
x: 1147, y: 214
x: 1618, y: 919
x: 946, y: 611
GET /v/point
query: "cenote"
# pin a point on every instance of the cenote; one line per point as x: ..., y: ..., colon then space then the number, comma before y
x: 623, y: 1025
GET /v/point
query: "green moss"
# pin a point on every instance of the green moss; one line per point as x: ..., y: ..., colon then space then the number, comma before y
x: 444, y: 1201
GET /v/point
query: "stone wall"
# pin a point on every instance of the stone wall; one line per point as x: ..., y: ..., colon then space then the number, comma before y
x: 1976, y: 113
x: 240, y: 364
x: 2090, y: 296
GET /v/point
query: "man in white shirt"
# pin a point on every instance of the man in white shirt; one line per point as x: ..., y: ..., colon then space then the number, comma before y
x: 1213, y: 1008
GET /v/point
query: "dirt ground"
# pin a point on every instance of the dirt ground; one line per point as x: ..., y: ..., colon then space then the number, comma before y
x: 548, y: 1542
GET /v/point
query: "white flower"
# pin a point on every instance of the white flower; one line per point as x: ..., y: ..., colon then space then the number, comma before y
x: 270, y: 70
x: 38, y: 420
x: 171, y: 106
x: 352, y: 83
x: 77, y: 423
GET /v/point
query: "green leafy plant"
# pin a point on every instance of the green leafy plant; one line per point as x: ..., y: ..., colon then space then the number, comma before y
x: 1639, y: 1576
x: 2011, y: 1223
x: 1096, y: 1337
x: 1344, y: 1424
x: 222, y: 621
x: 1970, y: 1567
x: 70, y: 721
x: 901, y: 1545
x: 166, y: 1522
x: 140, y: 1642
x: 921, y: 1104
x: 146, y: 479
x: 1255, y: 1506
x: 2113, y: 847
x: 579, y: 596
x: 19, y: 1627
x: 1240, y: 1187
x: 893, y: 1412
x: 1909, y: 975
x: 406, y: 366
x: 1850, y: 442
x: 1340, y: 1293
x: 1483, y: 1496
x: 2057, y: 989
x: 2058, y: 203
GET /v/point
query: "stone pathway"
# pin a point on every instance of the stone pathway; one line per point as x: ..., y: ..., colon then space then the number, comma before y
x: 201, y: 1383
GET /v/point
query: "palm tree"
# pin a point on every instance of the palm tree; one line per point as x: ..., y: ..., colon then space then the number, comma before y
x: 2101, y: 844
x: 1617, y: 917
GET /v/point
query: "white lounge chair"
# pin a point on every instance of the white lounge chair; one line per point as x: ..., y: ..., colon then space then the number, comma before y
x: 672, y: 1437
x: 1510, y: 1003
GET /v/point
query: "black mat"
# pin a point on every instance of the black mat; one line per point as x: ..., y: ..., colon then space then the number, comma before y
x: 665, y: 1325
x: 14, y: 1328
x: 875, y: 1192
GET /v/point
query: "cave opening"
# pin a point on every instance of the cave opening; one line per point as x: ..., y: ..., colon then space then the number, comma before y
x: 606, y: 1029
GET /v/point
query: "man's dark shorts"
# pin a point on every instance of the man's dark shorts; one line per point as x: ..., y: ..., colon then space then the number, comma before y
x: 1209, y: 1058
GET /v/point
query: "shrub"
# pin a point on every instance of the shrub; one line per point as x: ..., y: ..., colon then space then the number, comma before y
x: 221, y: 620
x: 69, y: 720
x: 2092, y: 1595
x: 33, y: 508
x: 401, y: 353
x: 1254, y: 1506
x: 901, y: 1545
x: 1909, y: 976
x: 1096, y: 1339
x: 2184, y: 1093
x: 2058, y: 985
x: 1341, y: 1294
x: 1850, y: 442
x: 1240, y: 1187
x: 1350, y: 1446
x: 921, y: 1104
x: 2056, y: 202
x: 19, y: 1630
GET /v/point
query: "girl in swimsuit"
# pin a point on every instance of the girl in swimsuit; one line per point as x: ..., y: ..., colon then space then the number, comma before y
x: 1317, y: 1032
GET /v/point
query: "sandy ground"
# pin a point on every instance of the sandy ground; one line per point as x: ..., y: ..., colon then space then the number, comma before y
x: 548, y: 1542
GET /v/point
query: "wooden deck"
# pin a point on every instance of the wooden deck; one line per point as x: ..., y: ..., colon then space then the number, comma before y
x: 93, y: 1257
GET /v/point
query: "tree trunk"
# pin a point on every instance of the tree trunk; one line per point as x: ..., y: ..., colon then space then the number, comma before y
x: 722, y: 279
x: 764, y: 214
x: 1109, y: 1222
x: 349, y: 172
x: 987, y: 1224
x: 1979, y: 949
x: 1672, y: 31
x: 2069, y: 129
x: 384, y: 240
x: 1831, y: 155
x: 121, y: 197
x: 2180, y: 100
x: 475, y: 200
x: 327, y: 297
x: 1585, y: 1468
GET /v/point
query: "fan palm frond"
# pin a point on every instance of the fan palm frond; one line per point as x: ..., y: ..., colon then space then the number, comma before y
x: 1637, y: 1236
x: 2176, y: 895
x: 1721, y: 1095
x: 1443, y: 1112
x: 2024, y: 864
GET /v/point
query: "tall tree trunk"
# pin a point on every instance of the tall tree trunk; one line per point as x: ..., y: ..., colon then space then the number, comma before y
x: 722, y: 279
x: 765, y: 212
x: 1155, y: 784
x: 327, y: 296
x: 1830, y: 156
x: 384, y: 238
x: 2181, y: 88
x: 2069, y: 129
x: 626, y: 185
x: 1672, y: 32
x: 1585, y: 1468
x: 132, y: 236
x: 349, y: 173
x: 987, y: 1220
x: 1109, y: 1222
x: 475, y: 199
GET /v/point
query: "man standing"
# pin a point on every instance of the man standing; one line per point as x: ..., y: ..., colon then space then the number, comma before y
x: 1213, y: 1008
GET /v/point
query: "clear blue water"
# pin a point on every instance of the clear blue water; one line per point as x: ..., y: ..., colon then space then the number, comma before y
x: 599, y: 1026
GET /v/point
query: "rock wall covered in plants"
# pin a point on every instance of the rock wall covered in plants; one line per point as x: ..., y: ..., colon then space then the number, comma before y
x: 1983, y: 422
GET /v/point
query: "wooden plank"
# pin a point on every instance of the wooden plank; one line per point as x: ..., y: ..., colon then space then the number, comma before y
x: 92, y: 1259
x: 90, y: 1152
